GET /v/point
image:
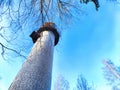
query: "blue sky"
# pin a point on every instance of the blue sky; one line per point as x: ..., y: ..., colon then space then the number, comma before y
x: 84, y: 44
x: 90, y: 40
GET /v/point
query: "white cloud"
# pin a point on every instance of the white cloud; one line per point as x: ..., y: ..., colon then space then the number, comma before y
x: 104, y: 87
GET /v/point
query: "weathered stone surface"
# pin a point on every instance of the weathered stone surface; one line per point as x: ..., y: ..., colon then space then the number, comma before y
x: 37, y: 69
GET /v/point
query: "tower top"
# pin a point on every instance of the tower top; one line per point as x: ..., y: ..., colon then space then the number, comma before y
x: 48, y: 26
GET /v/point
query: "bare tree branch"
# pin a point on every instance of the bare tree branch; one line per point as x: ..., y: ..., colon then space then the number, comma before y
x: 5, y: 47
x: 16, y: 16
x: 112, y: 74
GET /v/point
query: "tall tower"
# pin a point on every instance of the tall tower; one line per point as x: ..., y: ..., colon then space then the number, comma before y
x: 36, y: 71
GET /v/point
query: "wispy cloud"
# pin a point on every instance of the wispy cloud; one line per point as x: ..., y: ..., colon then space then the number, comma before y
x: 104, y: 87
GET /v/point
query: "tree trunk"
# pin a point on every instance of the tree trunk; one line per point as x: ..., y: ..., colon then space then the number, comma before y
x: 37, y: 70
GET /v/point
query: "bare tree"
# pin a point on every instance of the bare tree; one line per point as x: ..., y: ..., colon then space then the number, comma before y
x: 112, y: 74
x: 94, y: 1
x: 61, y: 83
x: 82, y: 84
x: 17, y: 15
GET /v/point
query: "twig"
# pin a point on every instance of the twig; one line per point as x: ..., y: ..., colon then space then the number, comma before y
x: 10, y: 49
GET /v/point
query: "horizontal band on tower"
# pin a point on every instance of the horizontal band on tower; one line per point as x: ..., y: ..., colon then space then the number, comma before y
x: 55, y: 32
